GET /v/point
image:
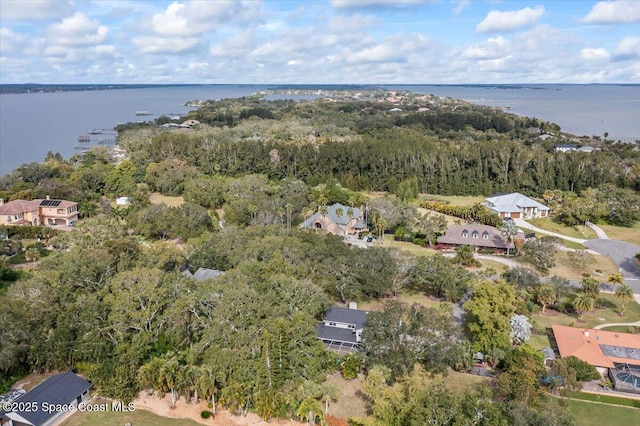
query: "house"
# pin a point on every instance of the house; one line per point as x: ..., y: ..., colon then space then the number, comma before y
x: 588, y: 149
x: 57, y: 212
x: 19, y: 212
x: 203, y: 274
x: 619, y: 353
x: 338, y: 220
x: 45, y: 404
x: 38, y: 212
x: 474, y: 234
x: 516, y: 206
x: 123, y: 201
x: 565, y: 147
x: 341, y: 329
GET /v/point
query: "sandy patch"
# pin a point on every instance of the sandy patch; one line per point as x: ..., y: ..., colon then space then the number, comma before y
x: 192, y: 411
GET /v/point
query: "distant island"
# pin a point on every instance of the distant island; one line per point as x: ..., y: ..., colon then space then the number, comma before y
x: 6, y: 89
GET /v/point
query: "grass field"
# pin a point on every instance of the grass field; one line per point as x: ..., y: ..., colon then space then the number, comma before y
x: 609, y: 399
x: 350, y: 402
x: 111, y: 418
x: 414, y: 249
x: 406, y: 296
x: 623, y: 328
x: 157, y: 198
x: 455, y: 200
x: 570, y: 231
x: 591, y: 414
x: 566, y: 269
x: 630, y: 235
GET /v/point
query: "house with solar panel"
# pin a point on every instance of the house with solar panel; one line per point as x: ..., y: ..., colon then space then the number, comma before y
x: 47, y: 403
x: 38, y: 212
x: 614, y: 354
x: 341, y: 329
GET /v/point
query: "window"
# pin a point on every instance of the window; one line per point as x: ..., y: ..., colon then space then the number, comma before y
x: 9, y: 219
x: 465, y: 233
x: 485, y: 235
x: 318, y: 225
x: 475, y: 234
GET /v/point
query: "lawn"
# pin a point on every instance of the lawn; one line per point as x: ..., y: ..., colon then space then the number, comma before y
x: 592, y: 414
x: 455, y: 200
x: 157, y: 198
x: 406, y: 296
x: 630, y: 235
x: 414, y: 249
x: 566, y: 269
x: 580, y: 231
x: 609, y: 399
x: 111, y: 418
x: 350, y: 402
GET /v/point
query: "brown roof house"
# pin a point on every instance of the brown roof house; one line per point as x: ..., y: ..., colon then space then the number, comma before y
x: 615, y: 351
x: 38, y: 212
x: 474, y: 234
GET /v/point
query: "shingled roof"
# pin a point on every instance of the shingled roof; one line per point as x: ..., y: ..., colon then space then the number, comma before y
x: 474, y: 234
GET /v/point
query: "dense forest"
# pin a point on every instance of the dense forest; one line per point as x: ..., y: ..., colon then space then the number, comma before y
x: 111, y: 299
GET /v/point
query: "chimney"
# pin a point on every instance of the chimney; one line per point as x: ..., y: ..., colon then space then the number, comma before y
x: 353, y: 305
x: 586, y: 333
x: 48, y: 197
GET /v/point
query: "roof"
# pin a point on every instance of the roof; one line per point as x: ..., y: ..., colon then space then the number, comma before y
x: 343, y: 219
x: 513, y: 202
x: 60, y: 389
x: 18, y: 207
x: 202, y: 274
x: 597, y: 347
x: 326, y: 332
x: 566, y: 146
x: 54, y: 203
x: 348, y: 316
x: 455, y: 235
x: 548, y: 353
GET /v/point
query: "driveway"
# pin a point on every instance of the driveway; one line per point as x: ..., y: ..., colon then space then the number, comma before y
x: 622, y: 254
x: 524, y: 224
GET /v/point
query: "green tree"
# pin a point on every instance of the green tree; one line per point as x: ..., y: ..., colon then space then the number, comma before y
x: 615, y: 278
x: 546, y: 296
x: 430, y: 225
x: 542, y: 252
x: 624, y: 294
x: 583, y: 303
x: 310, y: 410
x: 509, y: 232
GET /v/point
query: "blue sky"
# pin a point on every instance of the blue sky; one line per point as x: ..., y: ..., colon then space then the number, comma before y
x: 332, y: 41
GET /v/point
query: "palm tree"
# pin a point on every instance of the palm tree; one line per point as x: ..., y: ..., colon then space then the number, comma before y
x: 310, y: 410
x: 624, y: 294
x: 546, y: 296
x: 590, y: 287
x: 171, y: 375
x: 583, y: 303
x: 509, y: 231
x: 206, y: 382
x: 32, y: 254
x: 615, y: 279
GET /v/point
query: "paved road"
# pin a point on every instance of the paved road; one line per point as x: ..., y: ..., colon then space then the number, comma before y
x: 622, y: 254
x: 599, y: 231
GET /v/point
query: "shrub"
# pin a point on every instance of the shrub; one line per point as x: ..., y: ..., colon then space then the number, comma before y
x: 205, y: 414
x: 583, y: 370
x: 350, y: 366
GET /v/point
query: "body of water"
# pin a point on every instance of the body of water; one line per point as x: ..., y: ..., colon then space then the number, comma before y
x: 33, y: 124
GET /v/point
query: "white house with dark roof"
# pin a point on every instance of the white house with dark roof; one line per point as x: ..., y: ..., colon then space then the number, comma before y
x: 341, y: 329
x: 516, y: 206
x: 45, y: 404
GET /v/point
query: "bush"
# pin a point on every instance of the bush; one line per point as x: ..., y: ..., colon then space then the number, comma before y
x: 350, y: 366
x: 583, y: 370
x: 206, y: 414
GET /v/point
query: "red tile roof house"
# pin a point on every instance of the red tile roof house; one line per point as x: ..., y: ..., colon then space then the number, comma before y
x: 516, y: 206
x: 474, y: 234
x: 615, y: 351
x: 38, y: 212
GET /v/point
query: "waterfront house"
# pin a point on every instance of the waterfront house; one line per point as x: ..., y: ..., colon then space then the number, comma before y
x: 516, y: 206
x: 38, y: 212
x: 19, y: 212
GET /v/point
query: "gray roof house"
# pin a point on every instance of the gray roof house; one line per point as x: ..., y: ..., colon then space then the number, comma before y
x: 474, y: 234
x: 341, y: 329
x: 338, y: 220
x: 45, y: 404
x: 516, y: 206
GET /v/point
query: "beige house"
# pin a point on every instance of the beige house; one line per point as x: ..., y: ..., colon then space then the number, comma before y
x: 38, y: 212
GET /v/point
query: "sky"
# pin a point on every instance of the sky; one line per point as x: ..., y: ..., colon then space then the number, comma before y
x: 319, y: 42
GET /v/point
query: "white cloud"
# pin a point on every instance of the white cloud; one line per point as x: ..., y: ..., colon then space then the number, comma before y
x: 460, y: 6
x: 392, y: 49
x: 611, y: 12
x: 628, y: 47
x: 497, y: 20
x: 356, y: 4
x: 77, y: 30
x: 491, y: 49
x: 34, y: 10
x: 163, y: 45
x: 595, y: 54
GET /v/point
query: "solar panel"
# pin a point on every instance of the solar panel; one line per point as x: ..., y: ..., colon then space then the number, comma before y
x: 50, y: 203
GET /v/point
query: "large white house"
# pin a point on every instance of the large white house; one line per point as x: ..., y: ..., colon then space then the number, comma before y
x: 516, y: 206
